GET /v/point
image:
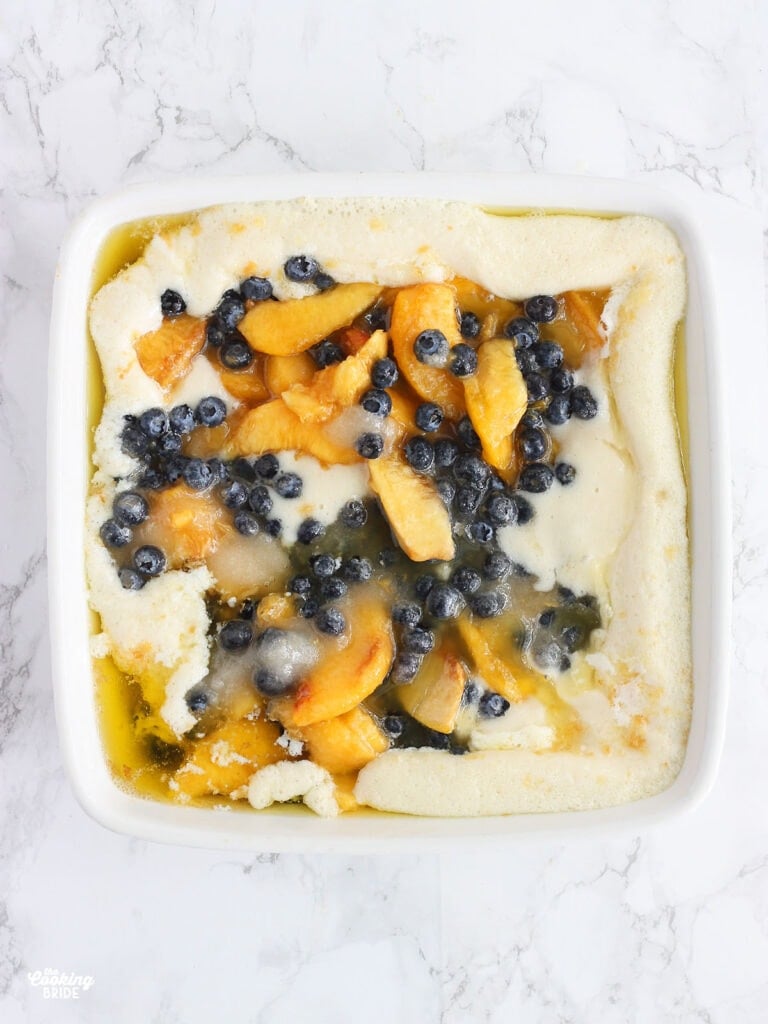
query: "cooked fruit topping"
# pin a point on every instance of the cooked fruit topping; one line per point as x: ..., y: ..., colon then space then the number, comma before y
x: 416, y: 514
x: 370, y: 445
x: 384, y: 373
x: 523, y: 331
x: 583, y: 403
x: 565, y: 472
x: 541, y: 308
x: 167, y: 354
x: 235, y: 635
x: 469, y: 325
x: 354, y: 514
x: 536, y: 477
x: 171, y: 303
x: 431, y: 348
x: 149, y: 560
x: 302, y: 269
x: 463, y: 361
x: 114, y: 534
x: 211, y: 411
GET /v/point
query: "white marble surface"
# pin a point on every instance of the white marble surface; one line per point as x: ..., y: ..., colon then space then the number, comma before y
x: 660, y: 927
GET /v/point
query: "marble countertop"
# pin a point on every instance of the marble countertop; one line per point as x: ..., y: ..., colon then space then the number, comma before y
x: 670, y: 925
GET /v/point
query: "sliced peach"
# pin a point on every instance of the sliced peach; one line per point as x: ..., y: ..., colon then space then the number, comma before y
x: 434, y: 696
x: 282, y: 372
x: 246, y: 386
x: 346, y: 743
x: 497, y: 659
x: 206, y: 442
x: 419, y: 308
x: 346, y: 673
x: 166, y: 354
x: 273, y: 427
x: 226, y: 759
x: 493, y: 311
x: 185, y: 524
x: 496, y: 400
x: 579, y: 330
x: 276, y: 609
x: 403, y: 414
x: 284, y: 328
x: 351, y: 340
x: 345, y: 791
x: 414, y: 509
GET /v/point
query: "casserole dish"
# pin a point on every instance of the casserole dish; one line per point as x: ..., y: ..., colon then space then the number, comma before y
x: 284, y: 828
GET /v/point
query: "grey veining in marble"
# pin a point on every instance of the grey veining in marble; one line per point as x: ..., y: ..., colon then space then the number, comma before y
x: 669, y: 926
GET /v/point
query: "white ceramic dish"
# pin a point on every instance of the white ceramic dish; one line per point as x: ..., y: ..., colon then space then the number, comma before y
x: 285, y: 829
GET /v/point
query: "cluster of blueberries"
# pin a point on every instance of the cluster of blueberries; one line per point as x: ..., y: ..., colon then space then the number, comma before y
x: 130, y: 509
x: 222, y: 331
x: 328, y: 579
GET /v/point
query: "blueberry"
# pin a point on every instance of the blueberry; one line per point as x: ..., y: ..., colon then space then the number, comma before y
x: 444, y: 602
x: 548, y: 354
x: 260, y: 500
x: 501, y: 510
x: 495, y: 483
x: 447, y: 491
x: 326, y: 353
x: 423, y: 584
x: 559, y: 409
x: 273, y: 527
x: 354, y: 514
x: 463, y: 361
x: 466, y: 580
x: 525, y: 511
x: 234, y: 494
x: 418, y: 640
x: 533, y: 444
x: 538, y: 386
x: 257, y: 289
x: 431, y: 348
x: 129, y: 508
x: 248, y: 608
x: 583, y: 403
x: 309, y: 609
x: 309, y: 530
x: 522, y: 331
x: 469, y: 325
x: 323, y: 282
x: 181, y: 419
x: 130, y: 579
x: 547, y: 617
x: 267, y: 466
x: 171, y: 303
x: 471, y: 694
x: 376, y: 402
x: 356, y: 569
x: 219, y: 470
x: 541, y: 308
x: 149, y: 560
x: 428, y: 417
x: 270, y: 684
x: 246, y: 523
x: 446, y: 452
x: 169, y: 444
x: 420, y: 454
x: 154, y: 478
x: 394, y: 725
x: 174, y: 468
x: 301, y: 269
x: 289, y: 485
x: 133, y: 440
x: 387, y: 557
x: 492, y: 705
x: 197, y: 701
x: 532, y: 419
x: 561, y: 381
x: 487, y: 605
x: 468, y: 499
x: 369, y: 445
x: 572, y: 638
x: 242, y: 469
x: 235, y: 635
x: 471, y: 469
x: 406, y: 665
x: 497, y: 565
x: 114, y: 534
x: 299, y: 585
x: 154, y: 422
x: 215, y: 334
x: 323, y: 565
x: 536, y: 478
x: 330, y: 621
x: 230, y: 310
x: 210, y: 411
x: 236, y: 353
x: 480, y: 531
x: 198, y: 474
x: 384, y: 373
x: 467, y: 433
x: 408, y: 614
x: 333, y: 588
x: 525, y: 361
x: 565, y: 472
x: 377, y: 319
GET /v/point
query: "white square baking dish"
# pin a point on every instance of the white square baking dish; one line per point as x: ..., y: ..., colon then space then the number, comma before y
x: 69, y: 472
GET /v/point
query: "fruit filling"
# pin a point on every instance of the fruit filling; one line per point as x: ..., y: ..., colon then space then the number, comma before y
x: 355, y: 500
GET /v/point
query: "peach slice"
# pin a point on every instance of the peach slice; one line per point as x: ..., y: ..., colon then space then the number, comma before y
x: 346, y: 743
x: 496, y: 400
x: 284, y: 328
x: 414, y: 509
x: 226, y: 759
x: 274, y: 427
x: 166, y: 354
x: 246, y: 386
x: 346, y: 673
x: 282, y: 372
x: 419, y: 308
x: 185, y: 524
x: 434, y: 696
